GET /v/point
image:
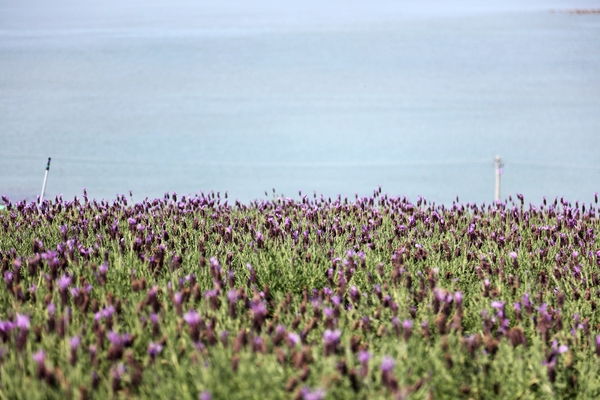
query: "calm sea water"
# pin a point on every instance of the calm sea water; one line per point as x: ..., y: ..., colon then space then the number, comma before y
x: 336, y: 97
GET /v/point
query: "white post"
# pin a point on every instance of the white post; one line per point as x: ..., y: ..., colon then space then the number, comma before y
x: 44, y: 185
x: 498, y: 164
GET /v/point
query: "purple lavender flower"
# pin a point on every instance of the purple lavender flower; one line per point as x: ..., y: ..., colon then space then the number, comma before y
x: 317, y: 394
x: 520, y: 197
x: 544, y: 307
x: 118, y: 371
x: 118, y: 339
x: 387, y: 364
x: 363, y: 357
x: 280, y: 329
x: 63, y: 282
x: 153, y: 291
x: 224, y: 335
x: 108, y: 311
x: 74, y: 342
x: 103, y: 268
x: 563, y: 349
x: 113, y: 337
x: 336, y: 300
x: 439, y: 294
x: 258, y: 344
x: 513, y: 255
x: 39, y: 357
x: 232, y: 295
x: 205, y: 395
x: 8, y: 277
x: 192, y: 318
x: 293, y: 338
x: 458, y: 297
x: 331, y: 339
x: 354, y: 294
x: 259, y: 309
x: 22, y: 322
x: 154, y: 349
x: 178, y: 298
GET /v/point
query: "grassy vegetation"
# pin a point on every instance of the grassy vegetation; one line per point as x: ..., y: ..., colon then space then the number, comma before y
x: 314, y: 298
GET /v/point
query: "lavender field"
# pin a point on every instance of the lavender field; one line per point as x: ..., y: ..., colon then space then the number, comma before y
x: 376, y: 297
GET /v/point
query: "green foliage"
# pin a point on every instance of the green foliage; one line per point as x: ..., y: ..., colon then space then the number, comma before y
x: 434, y: 288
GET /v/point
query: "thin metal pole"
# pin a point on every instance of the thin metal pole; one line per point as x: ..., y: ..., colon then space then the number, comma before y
x: 45, y: 179
x: 498, y: 164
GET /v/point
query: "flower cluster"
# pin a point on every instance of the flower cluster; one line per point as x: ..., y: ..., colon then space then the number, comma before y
x: 300, y: 298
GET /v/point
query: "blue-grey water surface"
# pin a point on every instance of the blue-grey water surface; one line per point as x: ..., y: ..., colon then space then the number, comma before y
x: 331, y: 96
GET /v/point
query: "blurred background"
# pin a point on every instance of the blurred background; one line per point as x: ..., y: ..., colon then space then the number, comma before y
x: 331, y: 96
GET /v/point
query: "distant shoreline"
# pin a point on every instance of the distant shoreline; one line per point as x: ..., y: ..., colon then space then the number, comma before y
x: 580, y: 11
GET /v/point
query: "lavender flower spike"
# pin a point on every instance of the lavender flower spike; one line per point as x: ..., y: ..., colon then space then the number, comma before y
x: 74, y: 342
x: 154, y: 349
x: 192, y: 318
x: 39, y: 357
x: 294, y: 338
x: 307, y: 394
x: 363, y: 356
x: 22, y: 322
x: 63, y: 282
x: 205, y: 395
x: 387, y: 364
x: 331, y: 340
